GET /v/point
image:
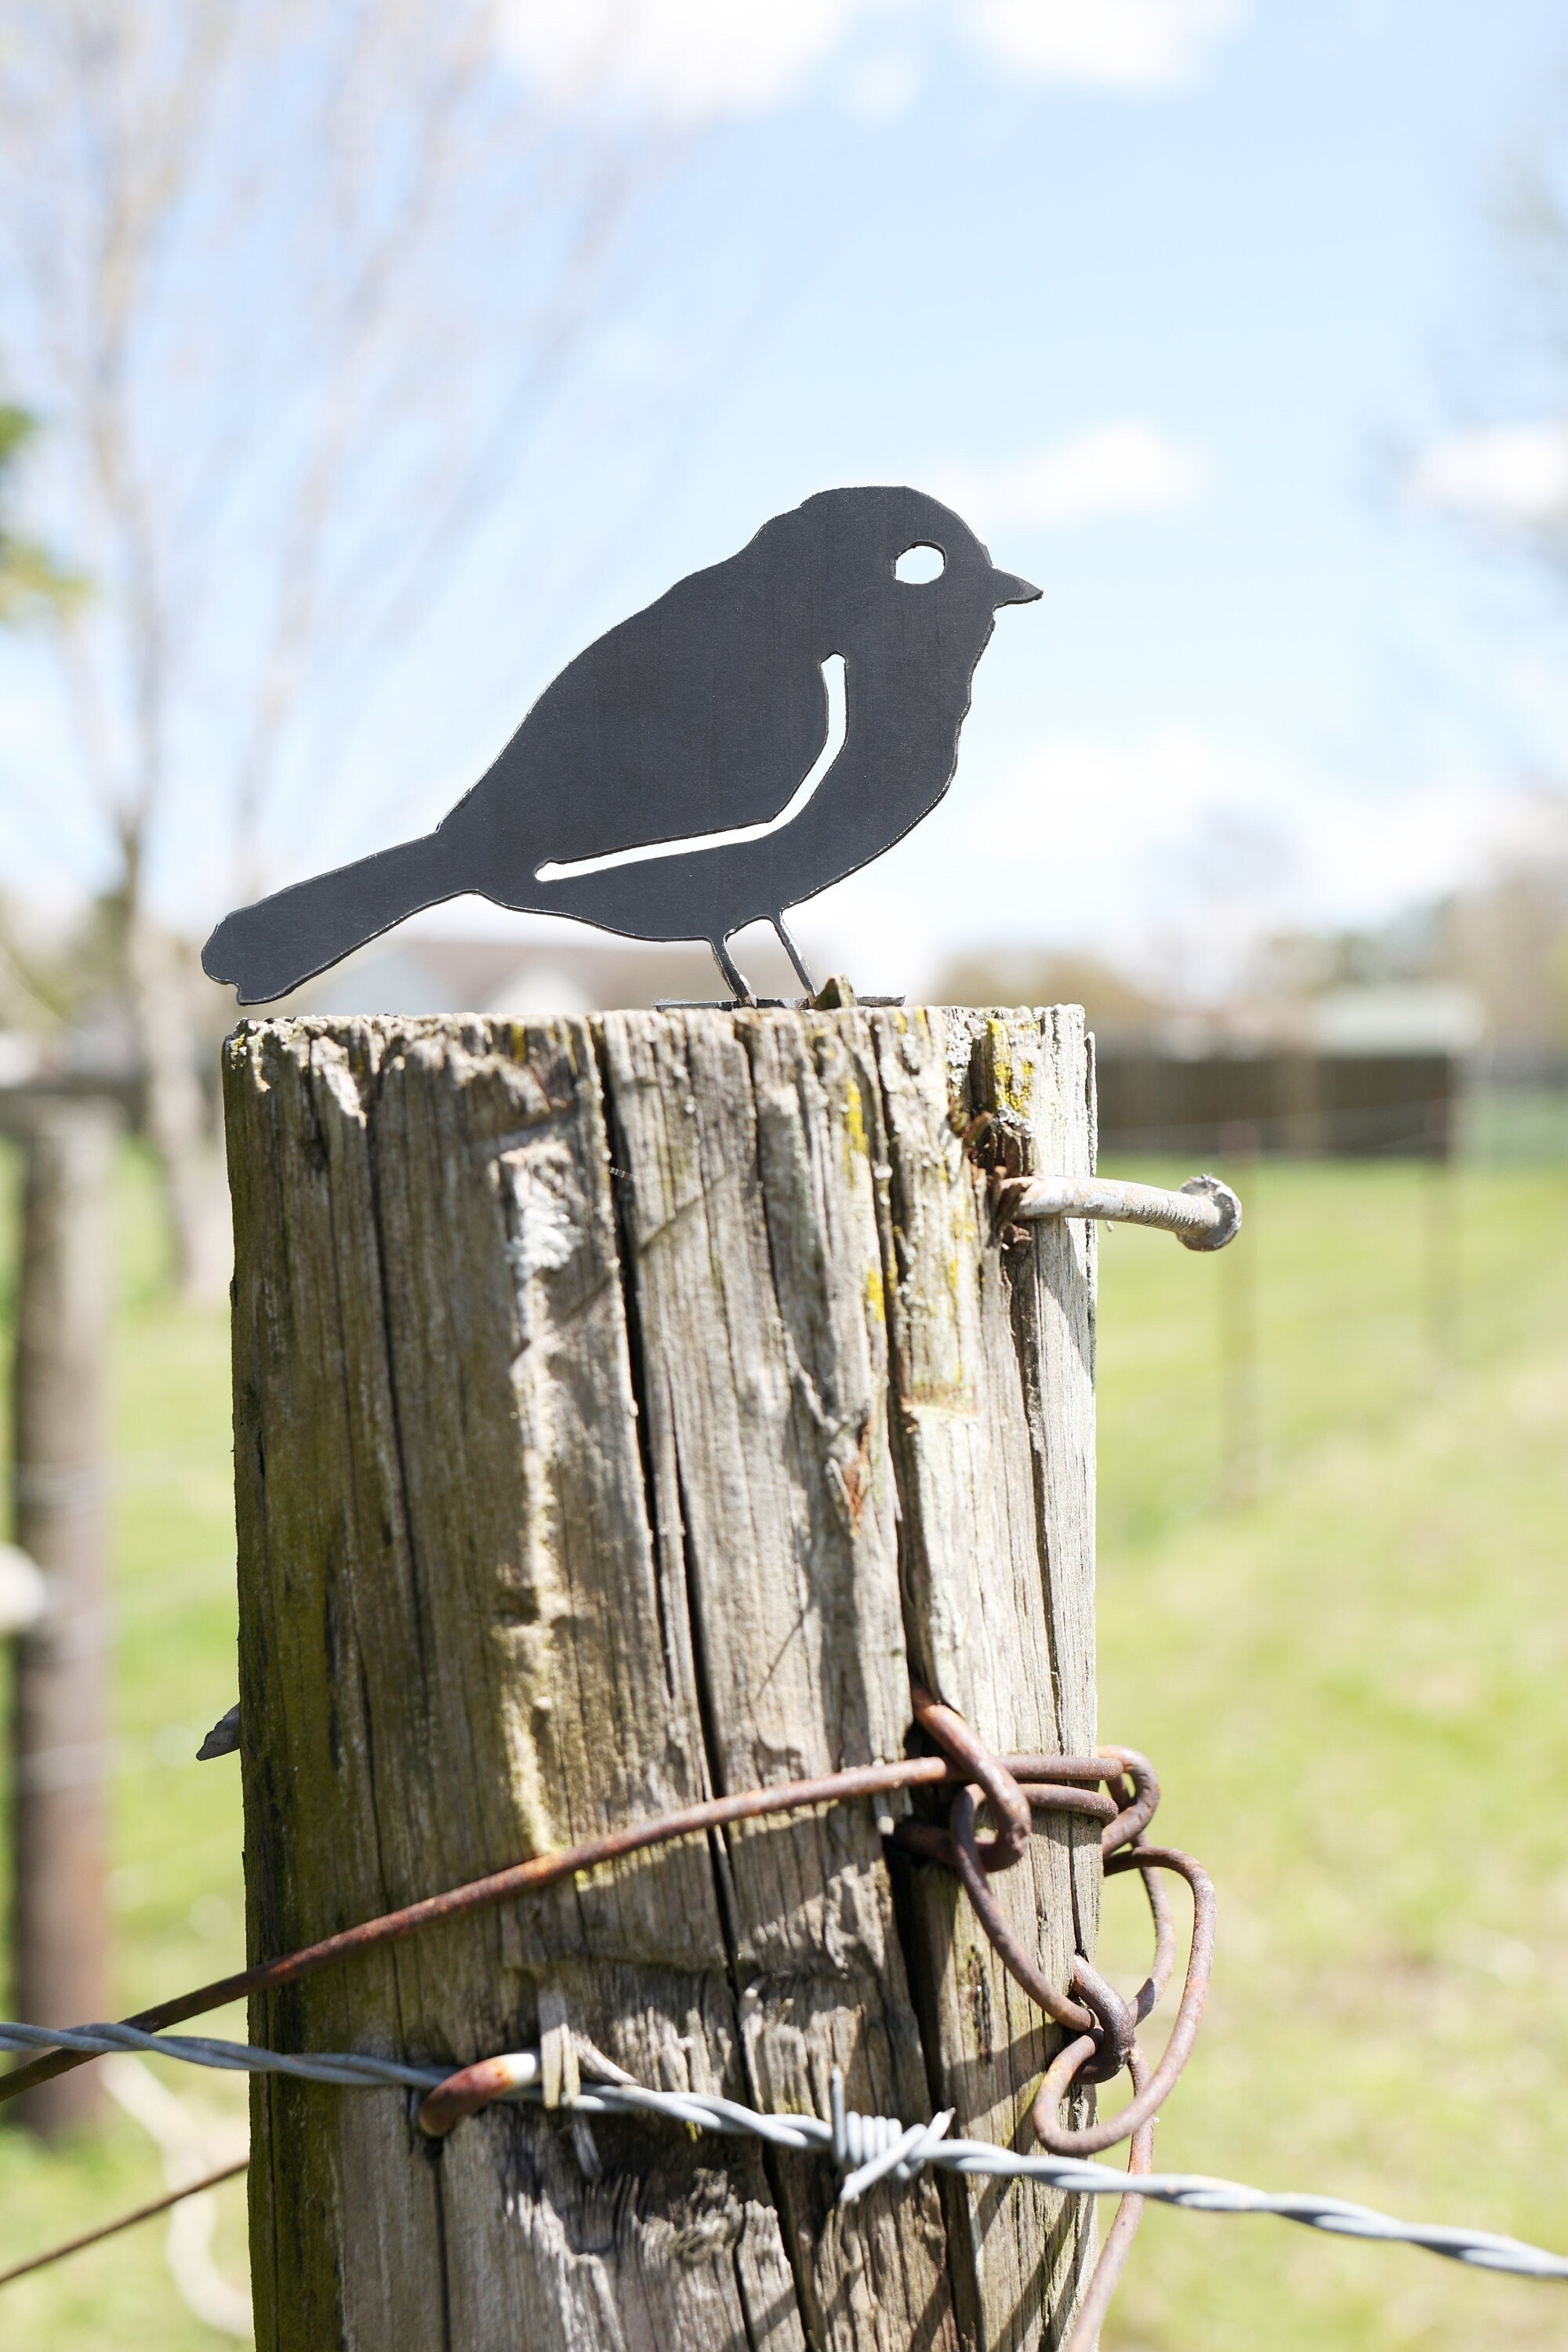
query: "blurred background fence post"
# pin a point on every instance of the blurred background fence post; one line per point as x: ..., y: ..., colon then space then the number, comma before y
x: 1240, y: 1414
x: 59, y: 1723
x: 1441, y: 1282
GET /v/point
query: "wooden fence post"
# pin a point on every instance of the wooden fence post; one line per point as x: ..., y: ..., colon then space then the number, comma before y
x: 59, y: 1723
x: 624, y: 1408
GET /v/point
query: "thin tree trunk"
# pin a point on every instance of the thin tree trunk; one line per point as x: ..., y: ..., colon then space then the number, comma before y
x: 60, y: 1727
x: 177, y: 1122
x: 622, y: 1409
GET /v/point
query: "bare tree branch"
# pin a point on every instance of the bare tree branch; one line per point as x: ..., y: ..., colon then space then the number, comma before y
x: 293, y: 281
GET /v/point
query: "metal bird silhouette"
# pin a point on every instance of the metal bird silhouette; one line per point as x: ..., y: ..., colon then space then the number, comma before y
x: 763, y: 730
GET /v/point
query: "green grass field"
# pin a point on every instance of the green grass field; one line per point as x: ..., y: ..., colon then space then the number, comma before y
x: 1333, y: 1608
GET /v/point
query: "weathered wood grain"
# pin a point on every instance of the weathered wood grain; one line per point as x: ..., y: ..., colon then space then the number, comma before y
x: 752, y: 1239
x: 621, y: 1408
x: 998, y: 1577
x: 454, y: 1652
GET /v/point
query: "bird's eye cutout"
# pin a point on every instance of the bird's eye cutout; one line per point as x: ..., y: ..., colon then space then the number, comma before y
x: 919, y: 565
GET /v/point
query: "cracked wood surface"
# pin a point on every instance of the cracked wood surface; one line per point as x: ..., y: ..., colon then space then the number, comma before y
x: 622, y: 1407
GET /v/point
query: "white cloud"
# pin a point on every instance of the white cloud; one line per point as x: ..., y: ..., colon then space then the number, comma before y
x: 1126, y: 467
x: 1174, y: 817
x: 692, y: 59
x: 1084, y: 798
x: 684, y: 58
x: 1515, y: 474
x: 1119, y: 43
x: 883, y: 86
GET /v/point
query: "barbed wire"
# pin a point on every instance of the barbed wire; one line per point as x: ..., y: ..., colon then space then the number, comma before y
x: 867, y: 2149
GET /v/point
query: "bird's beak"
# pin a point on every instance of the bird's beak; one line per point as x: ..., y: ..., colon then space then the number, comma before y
x: 1006, y: 588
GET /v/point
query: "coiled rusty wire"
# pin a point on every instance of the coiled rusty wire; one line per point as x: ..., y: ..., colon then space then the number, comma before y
x: 1103, y: 2025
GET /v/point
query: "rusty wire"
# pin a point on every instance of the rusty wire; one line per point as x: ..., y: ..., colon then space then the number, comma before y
x: 1014, y: 1789
x: 124, y: 2221
x: 1104, y: 2025
x: 501, y: 1886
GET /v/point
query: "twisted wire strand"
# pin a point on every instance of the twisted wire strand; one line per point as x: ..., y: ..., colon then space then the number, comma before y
x: 352, y: 2072
x: 872, y: 2147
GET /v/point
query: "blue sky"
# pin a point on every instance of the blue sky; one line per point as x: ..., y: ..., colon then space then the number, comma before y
x: 1168, y: 296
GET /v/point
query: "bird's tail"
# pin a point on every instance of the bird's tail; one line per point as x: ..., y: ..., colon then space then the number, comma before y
x: 265, y: 949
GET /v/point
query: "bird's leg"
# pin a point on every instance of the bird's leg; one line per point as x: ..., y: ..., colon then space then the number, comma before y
x: 793, y: 954
x: 732, y: 972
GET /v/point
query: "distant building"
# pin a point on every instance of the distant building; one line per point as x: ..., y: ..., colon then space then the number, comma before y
x: 1350, y: 1073
x: 1407, y: 1017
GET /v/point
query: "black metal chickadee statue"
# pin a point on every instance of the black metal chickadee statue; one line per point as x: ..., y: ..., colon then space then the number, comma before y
x: 765, y: 728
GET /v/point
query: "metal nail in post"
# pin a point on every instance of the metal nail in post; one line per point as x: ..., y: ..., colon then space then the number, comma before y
x: 1203, y: 1215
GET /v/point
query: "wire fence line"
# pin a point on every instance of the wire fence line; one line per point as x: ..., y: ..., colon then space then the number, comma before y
x: 867, y: 2149
x: 148, y: 2212
x: 1481, y: 1123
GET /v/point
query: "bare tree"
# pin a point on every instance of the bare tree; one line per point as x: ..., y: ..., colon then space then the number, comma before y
x: 1507, y: 937
x: 1502, y: 470
x: 34, y: 585
x: 291, y: 279
x: 1528, y: 355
